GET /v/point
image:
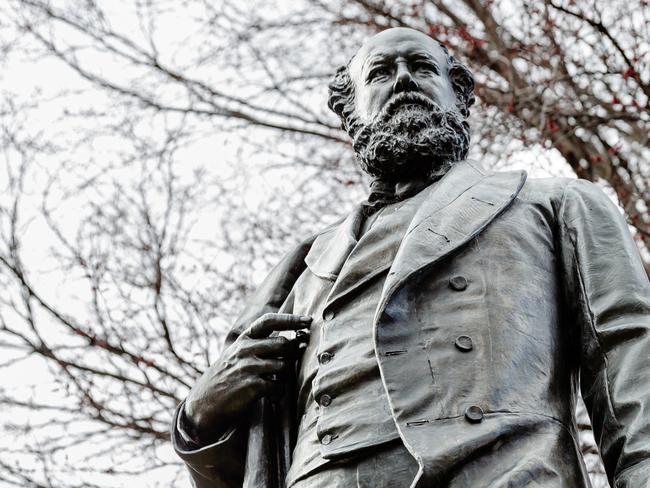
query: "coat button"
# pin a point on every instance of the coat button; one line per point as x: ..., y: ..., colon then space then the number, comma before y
x: 464, y: 343
x: 327, y: 438
x: 474, y: 414
x: 325, y: 400
x: 301, y: 334
x: 329, y: 315
x: 458, y: 283
x: 325, y: 357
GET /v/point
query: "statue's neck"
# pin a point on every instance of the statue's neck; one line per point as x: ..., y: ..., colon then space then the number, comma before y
x: 408, y: 188
x: 384, y: 192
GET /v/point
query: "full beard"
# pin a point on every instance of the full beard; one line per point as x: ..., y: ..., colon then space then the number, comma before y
x: 412, y: 137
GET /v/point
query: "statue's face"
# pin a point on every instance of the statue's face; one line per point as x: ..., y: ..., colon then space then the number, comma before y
x: 396, y: 61
x: 407, y: 122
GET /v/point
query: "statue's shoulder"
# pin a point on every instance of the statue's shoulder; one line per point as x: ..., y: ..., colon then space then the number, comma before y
x: 545, y: 190
x: 534, y: 189
x: 331, y: 227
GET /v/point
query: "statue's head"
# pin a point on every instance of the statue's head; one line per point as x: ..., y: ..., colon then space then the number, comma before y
x: 404, y: 100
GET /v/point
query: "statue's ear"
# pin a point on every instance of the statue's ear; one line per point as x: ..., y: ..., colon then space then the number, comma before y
x: 462, y: 81
x: 340, y: 90
x: 341, y: 99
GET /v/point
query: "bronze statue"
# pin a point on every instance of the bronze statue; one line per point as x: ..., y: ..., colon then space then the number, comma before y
x: 450, y: 317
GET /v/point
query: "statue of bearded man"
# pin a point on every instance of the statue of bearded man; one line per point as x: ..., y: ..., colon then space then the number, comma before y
x: 435, y: 337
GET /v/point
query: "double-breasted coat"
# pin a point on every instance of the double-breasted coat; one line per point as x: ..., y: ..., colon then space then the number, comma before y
x: 506, y: 295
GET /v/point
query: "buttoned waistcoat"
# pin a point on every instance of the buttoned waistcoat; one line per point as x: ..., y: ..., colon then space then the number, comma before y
x: 343, y: 409
x: 482, y: 381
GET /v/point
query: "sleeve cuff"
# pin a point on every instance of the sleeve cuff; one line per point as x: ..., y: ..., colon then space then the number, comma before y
x: 186, y: 440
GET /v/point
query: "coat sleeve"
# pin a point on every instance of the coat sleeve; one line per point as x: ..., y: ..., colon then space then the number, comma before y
x: 222, y: 464
x: 609, y: 295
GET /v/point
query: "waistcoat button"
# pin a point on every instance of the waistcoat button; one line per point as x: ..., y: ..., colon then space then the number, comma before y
x: 458, y: 283
x: 325, y: 357
x: 474, y: 414
x: 326, y: 439
x: 329, y: 315
x: 325, y: 400
x: 464, y: 343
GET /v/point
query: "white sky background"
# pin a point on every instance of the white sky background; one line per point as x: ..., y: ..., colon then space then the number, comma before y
x: 25, y: 77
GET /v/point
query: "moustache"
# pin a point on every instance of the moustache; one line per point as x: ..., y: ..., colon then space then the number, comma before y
x: 406, y: 98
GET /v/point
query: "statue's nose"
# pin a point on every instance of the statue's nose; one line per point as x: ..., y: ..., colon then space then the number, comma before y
x: 404, y: 81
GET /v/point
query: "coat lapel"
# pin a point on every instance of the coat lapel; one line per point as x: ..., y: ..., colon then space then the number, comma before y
x: 332, y: 247
x: 460, y: 206
x: 452, y: 212
x: 375, y: 250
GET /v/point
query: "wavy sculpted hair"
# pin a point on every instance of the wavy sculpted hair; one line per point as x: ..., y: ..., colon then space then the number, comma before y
x: 341, y: 92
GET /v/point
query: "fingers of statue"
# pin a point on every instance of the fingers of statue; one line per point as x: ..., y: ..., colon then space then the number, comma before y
x: 276, y: 347
x: 252, y: 366
x: 276, y: 322
x: 265, y: 386
x: 259, y: 366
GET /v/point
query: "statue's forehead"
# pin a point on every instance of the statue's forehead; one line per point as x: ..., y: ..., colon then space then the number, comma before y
x: 392, y: 42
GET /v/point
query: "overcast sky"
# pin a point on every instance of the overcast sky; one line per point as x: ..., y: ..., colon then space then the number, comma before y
x: 55, y: 90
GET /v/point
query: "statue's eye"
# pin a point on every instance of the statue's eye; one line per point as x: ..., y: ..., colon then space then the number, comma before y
x: 378, y: 73
x: 427, y: 67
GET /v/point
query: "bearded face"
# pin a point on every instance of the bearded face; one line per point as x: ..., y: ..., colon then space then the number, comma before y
x: 412, y: 137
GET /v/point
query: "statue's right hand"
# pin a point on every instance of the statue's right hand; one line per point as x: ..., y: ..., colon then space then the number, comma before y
x: 248, y: 369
